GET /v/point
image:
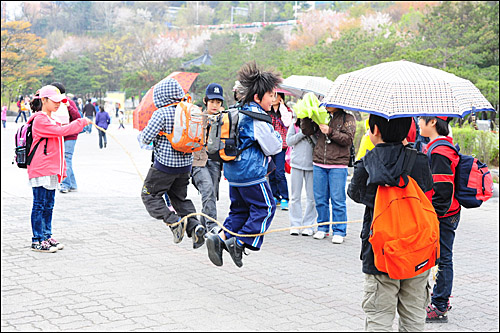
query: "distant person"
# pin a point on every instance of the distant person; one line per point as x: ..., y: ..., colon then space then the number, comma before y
x: 121, y: 119
x: 80, y: 105
x: 22, y: 109
x: 89, y: 112
x: 117, y: 109
x: 102, y: 120
x: 4, y: 115
x: 69, y: 183
x: 48, y: 168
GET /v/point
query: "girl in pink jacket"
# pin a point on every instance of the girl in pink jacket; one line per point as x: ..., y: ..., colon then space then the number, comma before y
x: 48, y: 168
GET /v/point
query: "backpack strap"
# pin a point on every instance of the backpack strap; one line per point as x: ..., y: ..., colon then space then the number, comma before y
x: 438, y: 143
x: 259, y: 116
x: 32, y: 153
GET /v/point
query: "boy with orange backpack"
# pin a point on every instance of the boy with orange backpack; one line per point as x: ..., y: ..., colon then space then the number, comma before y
x: 171, y: 169
x: 391, y: 166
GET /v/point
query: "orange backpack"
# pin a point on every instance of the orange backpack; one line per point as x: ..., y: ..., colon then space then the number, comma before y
x: 405, y: 230
x: 187, y: 135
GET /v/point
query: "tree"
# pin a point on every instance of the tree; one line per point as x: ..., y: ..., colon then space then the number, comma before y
x: 22, y: 53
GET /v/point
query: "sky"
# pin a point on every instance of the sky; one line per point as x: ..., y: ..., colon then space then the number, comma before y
x: 13, y: 9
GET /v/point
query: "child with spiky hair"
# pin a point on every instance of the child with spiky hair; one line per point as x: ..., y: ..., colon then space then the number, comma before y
x: 252, y: 206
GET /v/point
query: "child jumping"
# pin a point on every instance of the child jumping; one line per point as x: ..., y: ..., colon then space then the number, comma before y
x: 252, y: 206
x: 171, y: 169
x: 206, y: 173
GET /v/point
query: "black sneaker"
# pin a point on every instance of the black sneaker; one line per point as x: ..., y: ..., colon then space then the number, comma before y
x: 215, y: 245
x: 43, y: 247
x: 235, y: 250
x: 198, y: 236
x: 178, y: 232
x: 435, y: 316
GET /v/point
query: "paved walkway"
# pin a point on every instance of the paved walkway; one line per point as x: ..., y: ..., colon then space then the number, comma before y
x: 120, y: 270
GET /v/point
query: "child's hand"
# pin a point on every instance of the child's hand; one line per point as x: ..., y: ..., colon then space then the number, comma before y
x: 324, y: 128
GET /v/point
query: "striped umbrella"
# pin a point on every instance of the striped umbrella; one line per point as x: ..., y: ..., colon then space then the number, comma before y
x: 403, y: 88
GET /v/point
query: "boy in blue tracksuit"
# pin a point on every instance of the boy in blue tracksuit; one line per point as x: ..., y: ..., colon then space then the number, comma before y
x: 252, y: 205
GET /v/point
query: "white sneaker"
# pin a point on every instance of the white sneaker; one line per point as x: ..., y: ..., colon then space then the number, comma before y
x: 337, y: 239
x: 307, y: 232
x: 319, y: 235
x: 294, y: 232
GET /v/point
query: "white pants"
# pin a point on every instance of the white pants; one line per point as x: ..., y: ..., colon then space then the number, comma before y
x: 298, y: 178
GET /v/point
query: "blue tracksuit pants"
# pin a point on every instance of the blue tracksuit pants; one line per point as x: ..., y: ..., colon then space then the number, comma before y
x: 251, y: 212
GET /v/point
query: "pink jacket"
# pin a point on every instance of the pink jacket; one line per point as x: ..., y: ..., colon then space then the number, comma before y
x: 53, y: 163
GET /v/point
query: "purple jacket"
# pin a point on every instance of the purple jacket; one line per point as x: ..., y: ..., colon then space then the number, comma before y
x: 102, y: 119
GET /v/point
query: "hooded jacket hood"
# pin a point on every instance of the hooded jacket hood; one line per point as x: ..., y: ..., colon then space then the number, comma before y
x: 166, y: 92
x: 384, y: 166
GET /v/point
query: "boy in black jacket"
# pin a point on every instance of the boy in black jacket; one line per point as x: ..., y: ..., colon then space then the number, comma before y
x: 382, y: 166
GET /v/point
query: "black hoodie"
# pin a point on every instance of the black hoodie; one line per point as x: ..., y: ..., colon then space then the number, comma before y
x: 383, y: 165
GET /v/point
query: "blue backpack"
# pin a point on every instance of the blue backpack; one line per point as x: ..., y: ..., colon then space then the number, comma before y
x: 473, y: 180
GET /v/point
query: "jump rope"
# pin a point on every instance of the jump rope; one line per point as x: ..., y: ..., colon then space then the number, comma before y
x: 183, y: 219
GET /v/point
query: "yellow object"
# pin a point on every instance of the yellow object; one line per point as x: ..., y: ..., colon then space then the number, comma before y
x: 366, y: 144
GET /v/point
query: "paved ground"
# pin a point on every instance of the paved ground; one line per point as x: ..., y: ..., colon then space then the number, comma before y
x: 121, y: 271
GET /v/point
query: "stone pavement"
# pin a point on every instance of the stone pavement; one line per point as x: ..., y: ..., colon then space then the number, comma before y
x: 121, y: 271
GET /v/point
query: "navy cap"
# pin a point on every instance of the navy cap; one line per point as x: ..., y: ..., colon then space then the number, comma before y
x: 214, y: 91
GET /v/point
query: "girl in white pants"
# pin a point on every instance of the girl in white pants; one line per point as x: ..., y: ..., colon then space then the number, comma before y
x: 301, y: 163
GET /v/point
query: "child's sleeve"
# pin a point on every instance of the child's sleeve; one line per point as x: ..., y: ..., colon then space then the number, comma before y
x: 153, y: 127
x: 293, y: 138
x: 357, y: 187
x: 345, y: 136
x: 269, y: 140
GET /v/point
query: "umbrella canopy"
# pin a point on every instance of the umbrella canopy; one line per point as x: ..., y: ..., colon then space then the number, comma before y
x: 185, y: 79
x: 302, y: 84
x: 403, y: 88
x: 146, y: 107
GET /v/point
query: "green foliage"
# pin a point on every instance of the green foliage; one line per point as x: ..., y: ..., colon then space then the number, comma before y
x: 483, y: 145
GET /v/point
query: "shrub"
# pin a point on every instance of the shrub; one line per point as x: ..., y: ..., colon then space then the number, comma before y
x: 483, y: 145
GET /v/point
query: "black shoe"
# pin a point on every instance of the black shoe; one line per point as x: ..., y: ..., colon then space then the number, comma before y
x: 178, y: 232
x: 215, y: 245
x: 235, y: 250
x: 198, y: 236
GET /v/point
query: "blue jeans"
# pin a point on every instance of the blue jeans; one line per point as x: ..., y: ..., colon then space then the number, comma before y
x: 277, y: 179
x: 69, y: 182
x: 41, y: 213
x: 19, y: 115
x: 329, y: 185
x: 102, y: 136
x: 444, y: 279
x: 88, y: 128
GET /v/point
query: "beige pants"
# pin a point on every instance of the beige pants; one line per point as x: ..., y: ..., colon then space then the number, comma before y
x: 383, y: 295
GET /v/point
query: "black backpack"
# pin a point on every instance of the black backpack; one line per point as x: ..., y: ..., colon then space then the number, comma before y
x: 23, y: 142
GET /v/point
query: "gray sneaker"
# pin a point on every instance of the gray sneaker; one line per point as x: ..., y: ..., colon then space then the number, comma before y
x: 198, y: 236
x: 178, y: 232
